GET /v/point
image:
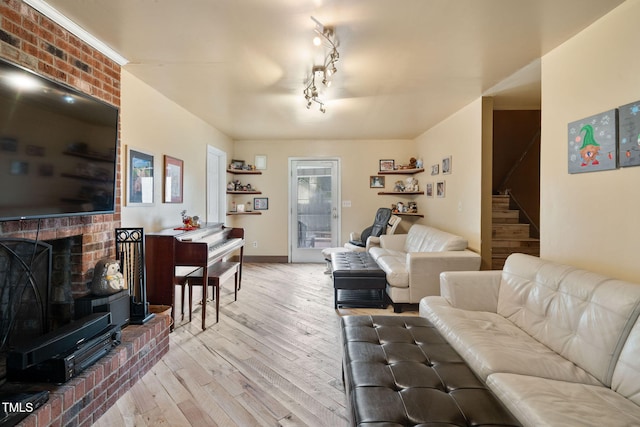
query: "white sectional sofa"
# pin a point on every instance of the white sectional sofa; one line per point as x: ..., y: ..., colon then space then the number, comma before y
x: 413, y: 262
x: 560, y: 346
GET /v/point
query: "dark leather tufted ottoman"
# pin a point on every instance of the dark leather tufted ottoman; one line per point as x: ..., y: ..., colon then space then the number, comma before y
x: 357, y: 280
x: 399, y: 371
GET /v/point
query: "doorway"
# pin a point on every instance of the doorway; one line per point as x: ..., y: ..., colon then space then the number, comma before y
x: 216, y: 195
x: 314, y: 206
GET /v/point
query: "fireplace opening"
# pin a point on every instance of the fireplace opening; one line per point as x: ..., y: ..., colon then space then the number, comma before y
x: 39, y: 281
x: 25, y: 270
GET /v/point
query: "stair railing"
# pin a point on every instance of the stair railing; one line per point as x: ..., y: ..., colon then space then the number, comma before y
x: 502, y: 188
x: 503, y: 185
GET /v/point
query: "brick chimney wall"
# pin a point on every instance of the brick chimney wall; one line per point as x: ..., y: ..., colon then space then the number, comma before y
x: 33, y: 41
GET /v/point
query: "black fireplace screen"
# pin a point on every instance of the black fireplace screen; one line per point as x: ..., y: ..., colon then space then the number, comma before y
x: 25, y: 274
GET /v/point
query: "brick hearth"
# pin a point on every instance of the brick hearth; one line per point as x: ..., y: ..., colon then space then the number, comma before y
x: 82, y: 400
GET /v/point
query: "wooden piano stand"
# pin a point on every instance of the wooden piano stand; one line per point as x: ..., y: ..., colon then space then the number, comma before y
x: 216, y: 275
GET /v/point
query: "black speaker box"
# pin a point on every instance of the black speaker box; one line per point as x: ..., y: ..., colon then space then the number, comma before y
x: 117, y: 304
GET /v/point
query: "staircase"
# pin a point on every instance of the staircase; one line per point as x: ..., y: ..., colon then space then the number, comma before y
x: 509, y: 235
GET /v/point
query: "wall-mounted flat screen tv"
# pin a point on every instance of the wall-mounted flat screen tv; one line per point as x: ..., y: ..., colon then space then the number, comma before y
x: 57, y: 148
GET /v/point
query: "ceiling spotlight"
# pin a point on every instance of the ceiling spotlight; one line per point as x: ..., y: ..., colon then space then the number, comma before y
x: 317, y: 41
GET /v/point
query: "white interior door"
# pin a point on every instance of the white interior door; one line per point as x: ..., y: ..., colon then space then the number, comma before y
x: 314, y: 206
x: 216, y: 194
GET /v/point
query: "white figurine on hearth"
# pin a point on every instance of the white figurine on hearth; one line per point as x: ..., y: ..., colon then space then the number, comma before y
x: 107, y: 278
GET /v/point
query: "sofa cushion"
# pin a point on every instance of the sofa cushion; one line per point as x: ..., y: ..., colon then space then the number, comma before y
x: 395, y: 267
x: 489, y: 343
x: 377, y: 252
x: 540, y: 402
x: 583, y: 316
x: 421, y: 238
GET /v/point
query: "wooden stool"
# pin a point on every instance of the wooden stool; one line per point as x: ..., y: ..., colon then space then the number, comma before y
x: 216, y: 274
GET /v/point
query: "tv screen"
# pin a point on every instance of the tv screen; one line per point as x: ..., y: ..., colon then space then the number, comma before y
x: 57, y: 148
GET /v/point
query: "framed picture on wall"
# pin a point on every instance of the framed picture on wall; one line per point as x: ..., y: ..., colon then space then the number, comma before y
x: 376, y: 181
x: 446, y: 165
x: 593, y: 143
x: 173, y: 176
x: 429, y: 191
x: 440, y: 189
x: 139, y: 178
x: 387, y: 165
x: 260, y: 203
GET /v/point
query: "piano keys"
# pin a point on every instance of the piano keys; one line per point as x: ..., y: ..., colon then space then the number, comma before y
x: 172, y: 253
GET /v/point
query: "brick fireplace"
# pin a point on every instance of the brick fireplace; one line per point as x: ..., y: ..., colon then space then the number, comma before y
x: 33, y: 41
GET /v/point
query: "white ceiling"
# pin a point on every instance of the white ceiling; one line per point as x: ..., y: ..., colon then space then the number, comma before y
x: 405, y: 65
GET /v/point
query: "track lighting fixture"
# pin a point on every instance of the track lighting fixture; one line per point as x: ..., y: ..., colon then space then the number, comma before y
x: 326, y: 36
x: 310, y: 92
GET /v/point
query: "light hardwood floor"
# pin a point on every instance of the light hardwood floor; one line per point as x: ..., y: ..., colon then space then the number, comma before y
x: 274, y: 359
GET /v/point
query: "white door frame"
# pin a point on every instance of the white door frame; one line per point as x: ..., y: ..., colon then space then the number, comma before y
x: 216, y: 187
x: 293, y: 228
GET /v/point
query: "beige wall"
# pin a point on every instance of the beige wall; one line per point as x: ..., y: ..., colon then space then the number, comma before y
x: 154, y: 124
x: 459, y: 136
x: 359, y: 160
x: 590, y: 219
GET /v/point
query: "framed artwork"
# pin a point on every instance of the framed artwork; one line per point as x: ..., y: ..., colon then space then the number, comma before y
x: 387, y: 165
x: 440, y: 189
x: 45, y: 169
x: 35, y: 150
x: 446, y: 165
x: 629, y: 134
x: 173, y: 176
x: 260, y: 203
x: 237, y: 164
x: 19, y: 168
x: 592, y: 143
x: 9, y: 144
x: 429, y: 189
x: 376, y: 181
x: 435, y: 169
x: 139, y: 178
x: 261, y: 162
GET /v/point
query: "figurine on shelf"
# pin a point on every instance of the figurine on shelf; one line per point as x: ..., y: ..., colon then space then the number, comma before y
x: 411, y: 184
x: 399, y: 187
x: 412, y: 208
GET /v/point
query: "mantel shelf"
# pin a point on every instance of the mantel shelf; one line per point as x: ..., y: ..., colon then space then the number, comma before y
x: 399, y: 193
x: 401, y: 172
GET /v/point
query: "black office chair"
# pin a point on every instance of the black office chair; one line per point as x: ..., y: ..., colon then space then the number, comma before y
x: 379, y: 227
